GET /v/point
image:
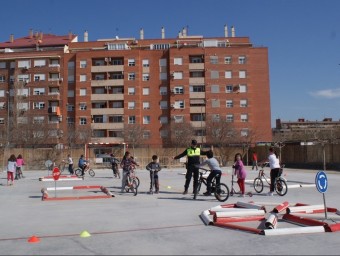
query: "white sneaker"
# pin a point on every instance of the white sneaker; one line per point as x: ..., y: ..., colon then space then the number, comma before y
x: 270, y: 194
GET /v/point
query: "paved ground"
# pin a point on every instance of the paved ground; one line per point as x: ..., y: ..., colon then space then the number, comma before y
x: 166, y: 223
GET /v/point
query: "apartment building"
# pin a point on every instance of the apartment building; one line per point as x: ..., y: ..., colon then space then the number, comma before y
x: 95, y: 91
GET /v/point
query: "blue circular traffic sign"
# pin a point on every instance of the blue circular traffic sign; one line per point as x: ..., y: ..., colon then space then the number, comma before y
x: 321, y: 181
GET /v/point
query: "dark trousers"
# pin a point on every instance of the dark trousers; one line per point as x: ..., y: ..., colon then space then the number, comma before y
x: 155, y: 181
x: 273, y: 175
x: 70, y: 168
x: 191, y: 170
x: 212, y: 174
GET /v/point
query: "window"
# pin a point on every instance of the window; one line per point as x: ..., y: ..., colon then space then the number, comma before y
x: 228, y: 74
x: 2, y: 105
x: 70, y: 93
x: 163, y: 76
x: 70, y: 107
x: 39, y: 105
x: 38, y: 119
x: 229, y: 88
x: 244, y: 132
x: 146, y: 119
x: 229, y: 103
x: 178, y: 90
x: 146, y: 105
x: 131, y: 105
x: 227, y: 60
x: 244, y: 118
x: 242, y: 60
x: 82, y: 78
x: 2, y: 93
x: 145, y: 63
x: 178, y: 104
x: 24, y: 64
x: 131, y: 91
x: 197, y: 88
x: 146, y: 77
x: 215, y: 117
x: 82, y: 120
x: 2, y: 64
x: 131, y: 76
x: 146, y: 91
x: 23, y: 78
x: 242, y: 74
x: 2, y: 120
x: 70, y: 120
x: 131, y: 62
x: 116, y: 46
x: 39, y: 77
x: 83, y: 64
x: 2, y: 79
x: 178, y: 75
x: 214, y: 74
x: 230, y: 118
x: 243, y: 103
x: 164, y: 133
x: 146, y: 134
x: 163, y: 120
x: 39, y: 63
x: 82, y: 92
x: 178, y: 119
x: 132, y: 119
x: 82, y: 106
x: 213, y: 59
x: 163, y: 90
x: 215, y: 103
x: 178, y: 61
x: 164, y: 104
x: 243, y: 88
x: 163, y: 62
x: 215, y: 89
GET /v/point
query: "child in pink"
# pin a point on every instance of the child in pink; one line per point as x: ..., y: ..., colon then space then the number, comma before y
x: 240, y: 172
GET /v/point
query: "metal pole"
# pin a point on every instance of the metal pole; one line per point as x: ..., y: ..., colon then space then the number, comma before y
x: 201, y: 124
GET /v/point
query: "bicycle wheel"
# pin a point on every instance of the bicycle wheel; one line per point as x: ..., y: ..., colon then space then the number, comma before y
x: 92, y: 173
x: 258, y: 185
x: 281, y: 187
x: 137, y: 181
x: 78, y: 172
x: 199, y: 185
x: 134, y: 187
x: 221, y: 192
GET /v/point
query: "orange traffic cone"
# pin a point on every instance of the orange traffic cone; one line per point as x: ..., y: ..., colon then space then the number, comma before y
x: 33, y: 239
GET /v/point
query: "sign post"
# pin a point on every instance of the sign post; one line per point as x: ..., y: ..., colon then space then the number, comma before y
x: 321, y: 183
x: 56, y: 175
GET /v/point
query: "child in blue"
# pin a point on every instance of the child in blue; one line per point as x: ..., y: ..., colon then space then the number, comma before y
x: 155, y: 167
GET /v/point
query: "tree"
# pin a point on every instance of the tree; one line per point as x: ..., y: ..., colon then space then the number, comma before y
x: 134, y: 135
x: 180, y: 134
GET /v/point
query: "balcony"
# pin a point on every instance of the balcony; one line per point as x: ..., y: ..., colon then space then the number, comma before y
x: 196, y: 66
x: 115, y: 140
x: 108, y: 82
x: 107, y: 111
x: 107, y: 126
x: 196, y: 80
x: 107, y: 97
x: 197, y: 124
x: 110, y: 68
x: 196, y: 110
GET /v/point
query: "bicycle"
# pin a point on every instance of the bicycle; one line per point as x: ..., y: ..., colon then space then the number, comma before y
x: 91, y: 172
x: 132, y: 169
x: 280, y: 184
x: 221, y: 191
x: 131, y: 183
x: 18, y: 173
x: 63, y: 166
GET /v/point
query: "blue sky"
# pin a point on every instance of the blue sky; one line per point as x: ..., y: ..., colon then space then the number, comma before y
x: 303, y: 37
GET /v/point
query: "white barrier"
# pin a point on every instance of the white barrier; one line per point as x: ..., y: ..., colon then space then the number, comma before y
x: 239, y: 213
x: 305, y: 208
x: 205, y: 215
x: 271, y: 222
x: 299, y: 230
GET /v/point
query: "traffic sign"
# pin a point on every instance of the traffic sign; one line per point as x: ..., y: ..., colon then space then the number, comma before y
x: 321, y: 181
x: 56, y: 173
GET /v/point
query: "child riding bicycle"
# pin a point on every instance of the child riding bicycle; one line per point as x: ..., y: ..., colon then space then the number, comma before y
x: 126, y: 164
x: 215, y: 171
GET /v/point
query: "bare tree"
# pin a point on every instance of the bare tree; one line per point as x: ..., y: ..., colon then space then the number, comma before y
x: 134, y: 135
x: 180, y: 134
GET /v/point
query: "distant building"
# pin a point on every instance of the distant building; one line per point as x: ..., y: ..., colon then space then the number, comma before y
x: 73, y: 91
x: 304, y: 130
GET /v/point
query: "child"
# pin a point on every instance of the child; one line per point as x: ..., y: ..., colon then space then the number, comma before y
x: 240, y: 172
x: 20, y: 162
x: 126, y: 164
x: 215, y: 171
x: 11, y: 168
x: 155, y: 167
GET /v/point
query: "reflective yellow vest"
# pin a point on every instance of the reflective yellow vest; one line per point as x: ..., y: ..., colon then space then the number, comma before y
x: 193, y: 152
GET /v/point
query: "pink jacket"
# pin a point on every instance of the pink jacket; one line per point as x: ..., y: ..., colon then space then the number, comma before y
x: 240, y: 171
x: 20, y: 162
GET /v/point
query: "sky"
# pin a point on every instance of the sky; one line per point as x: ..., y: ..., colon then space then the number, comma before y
x: 302, y: 36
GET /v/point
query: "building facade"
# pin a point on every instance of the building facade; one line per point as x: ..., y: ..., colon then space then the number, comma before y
x: 98, y: 91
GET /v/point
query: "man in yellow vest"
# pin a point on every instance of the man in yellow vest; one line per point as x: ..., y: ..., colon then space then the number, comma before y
x: 193, y: 154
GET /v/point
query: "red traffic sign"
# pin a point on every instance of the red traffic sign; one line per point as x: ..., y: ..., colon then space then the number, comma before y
x: 56, y: 173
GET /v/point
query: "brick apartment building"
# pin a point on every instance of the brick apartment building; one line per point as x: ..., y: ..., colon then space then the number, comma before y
x: 91, y: 91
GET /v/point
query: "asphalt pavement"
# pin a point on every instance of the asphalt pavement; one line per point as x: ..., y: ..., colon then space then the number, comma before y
x: 167, y: 223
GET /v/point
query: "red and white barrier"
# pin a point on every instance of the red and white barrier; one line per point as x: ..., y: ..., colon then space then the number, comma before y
x: 240, y: 213
x: 306, y: 209
x: 250, y: 206
x: 61, y: 178
x: 271, y: 222
x: 289, y: 231
x: 281, y: 207
x: 302, y: 221
x: 205, y: 215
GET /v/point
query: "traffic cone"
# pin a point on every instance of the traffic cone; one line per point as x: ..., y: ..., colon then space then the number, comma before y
x: 85, y: 234
x: 33, y: 239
